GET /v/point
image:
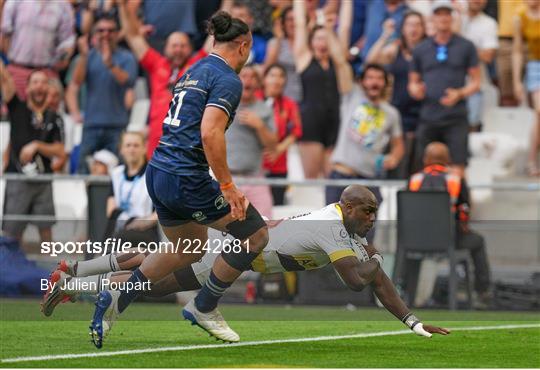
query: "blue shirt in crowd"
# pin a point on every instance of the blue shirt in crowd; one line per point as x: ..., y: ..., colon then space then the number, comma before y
x: 105, y: 106
x: 168, y: 16
x: 377, y: 13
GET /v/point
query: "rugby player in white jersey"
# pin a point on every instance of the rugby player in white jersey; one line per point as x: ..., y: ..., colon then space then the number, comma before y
x: 334, y: 234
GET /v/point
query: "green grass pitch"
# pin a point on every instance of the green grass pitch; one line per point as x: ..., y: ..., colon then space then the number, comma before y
x: 23, y: 332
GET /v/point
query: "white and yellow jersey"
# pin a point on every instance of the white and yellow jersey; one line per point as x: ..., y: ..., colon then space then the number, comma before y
x: 304, y: 242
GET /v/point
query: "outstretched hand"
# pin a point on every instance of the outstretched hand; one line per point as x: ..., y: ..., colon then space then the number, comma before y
x: 436, y: 330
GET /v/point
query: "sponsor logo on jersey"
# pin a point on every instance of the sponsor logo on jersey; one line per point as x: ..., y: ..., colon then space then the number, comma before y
x: 340, y: 234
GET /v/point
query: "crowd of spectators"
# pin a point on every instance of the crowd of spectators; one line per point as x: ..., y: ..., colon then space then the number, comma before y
x: 362, y: 86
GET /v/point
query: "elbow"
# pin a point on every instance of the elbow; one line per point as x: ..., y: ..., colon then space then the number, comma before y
x: 357, y: 283
x: 357, y: 286
x: 207, y: 137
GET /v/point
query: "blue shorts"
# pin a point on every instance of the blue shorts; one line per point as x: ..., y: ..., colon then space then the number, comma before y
x: 532, y: 79
x: 179, y: 199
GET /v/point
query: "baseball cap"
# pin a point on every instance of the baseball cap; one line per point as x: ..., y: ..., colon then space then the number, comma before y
x: 442, y: 4
x: 107, y: 158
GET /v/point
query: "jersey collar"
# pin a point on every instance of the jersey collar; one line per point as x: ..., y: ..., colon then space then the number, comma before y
x: 220, y: 57
x: 435, y: 168
x: 138, y: 174
x: 339, y: 211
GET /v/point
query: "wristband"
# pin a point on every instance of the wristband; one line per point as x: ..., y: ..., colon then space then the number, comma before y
x: 226, y: 185
x: 378, y: 258
x: 410, y: 320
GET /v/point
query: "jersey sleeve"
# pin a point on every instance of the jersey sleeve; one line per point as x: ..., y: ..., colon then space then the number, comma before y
x: 225, y: 94
x: 152, y: 61
x: 13, y: 104
x: 472, y: 56
x: 268, y: 119
x: 396, y: 131
x: 336, y: 242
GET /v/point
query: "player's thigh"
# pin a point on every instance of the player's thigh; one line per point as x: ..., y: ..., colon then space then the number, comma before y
x: 188, y: 238
x: 178, y: 254
x: 253, y: 228
x: 456, y: 137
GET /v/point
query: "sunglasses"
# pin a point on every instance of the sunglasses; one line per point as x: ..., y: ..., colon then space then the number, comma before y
x: 105, y: 30
x: 442, y: 54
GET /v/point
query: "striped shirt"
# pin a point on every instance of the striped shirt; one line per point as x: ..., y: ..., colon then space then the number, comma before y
x: 40, y: 31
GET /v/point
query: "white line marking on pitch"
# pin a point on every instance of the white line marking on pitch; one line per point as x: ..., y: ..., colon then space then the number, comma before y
x: 247, y: 344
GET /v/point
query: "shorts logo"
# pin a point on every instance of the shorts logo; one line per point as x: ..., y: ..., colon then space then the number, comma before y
x: 198, y: 216
x: 220, y: 202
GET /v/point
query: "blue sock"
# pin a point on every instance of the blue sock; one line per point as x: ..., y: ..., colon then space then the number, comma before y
x: 128, y: 296
x: 211, y: 292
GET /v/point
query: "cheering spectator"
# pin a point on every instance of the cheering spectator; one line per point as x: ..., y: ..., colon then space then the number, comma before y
x: 102, y: 163
x: 258, y: 50
x: 280, y: 50
x: 251, y: 132
x: 397, y: 56
x: 165, y: 17
x: 444, y: 72
x: 288, y: 126
x: 527, y: 30
x: 108, y: 71
x: 437, y: 175
x: 262, y: 14
x: 36, y: 35
x: 96, y: 9
x: 129, y: 208
x: 320, y: 103
x: 378, y: 11
x: 163, y: 70
x: 481, y: 29
x: 368, y: 126
x: 35, y: 139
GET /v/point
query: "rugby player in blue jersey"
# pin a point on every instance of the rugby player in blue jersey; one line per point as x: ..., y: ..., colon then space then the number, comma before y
x: 186, y: 198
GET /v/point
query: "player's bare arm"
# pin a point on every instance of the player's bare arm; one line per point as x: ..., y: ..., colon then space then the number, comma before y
x: 214, y: 123
x: 357, y: 275
x: 130, y: 26
x: 387, y: 294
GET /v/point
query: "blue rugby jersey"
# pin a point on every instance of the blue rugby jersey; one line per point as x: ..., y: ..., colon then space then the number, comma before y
x: 210, y: 82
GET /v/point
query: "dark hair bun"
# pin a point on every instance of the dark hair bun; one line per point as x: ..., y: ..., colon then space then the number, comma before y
x: 226, y: 28
x: 220, y: 23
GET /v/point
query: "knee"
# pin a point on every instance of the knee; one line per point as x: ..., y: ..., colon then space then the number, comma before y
x: 476, y: 241
x: 259, y: 240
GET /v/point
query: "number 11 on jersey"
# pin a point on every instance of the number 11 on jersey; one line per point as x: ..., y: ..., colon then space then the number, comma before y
x: 172, y: 119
